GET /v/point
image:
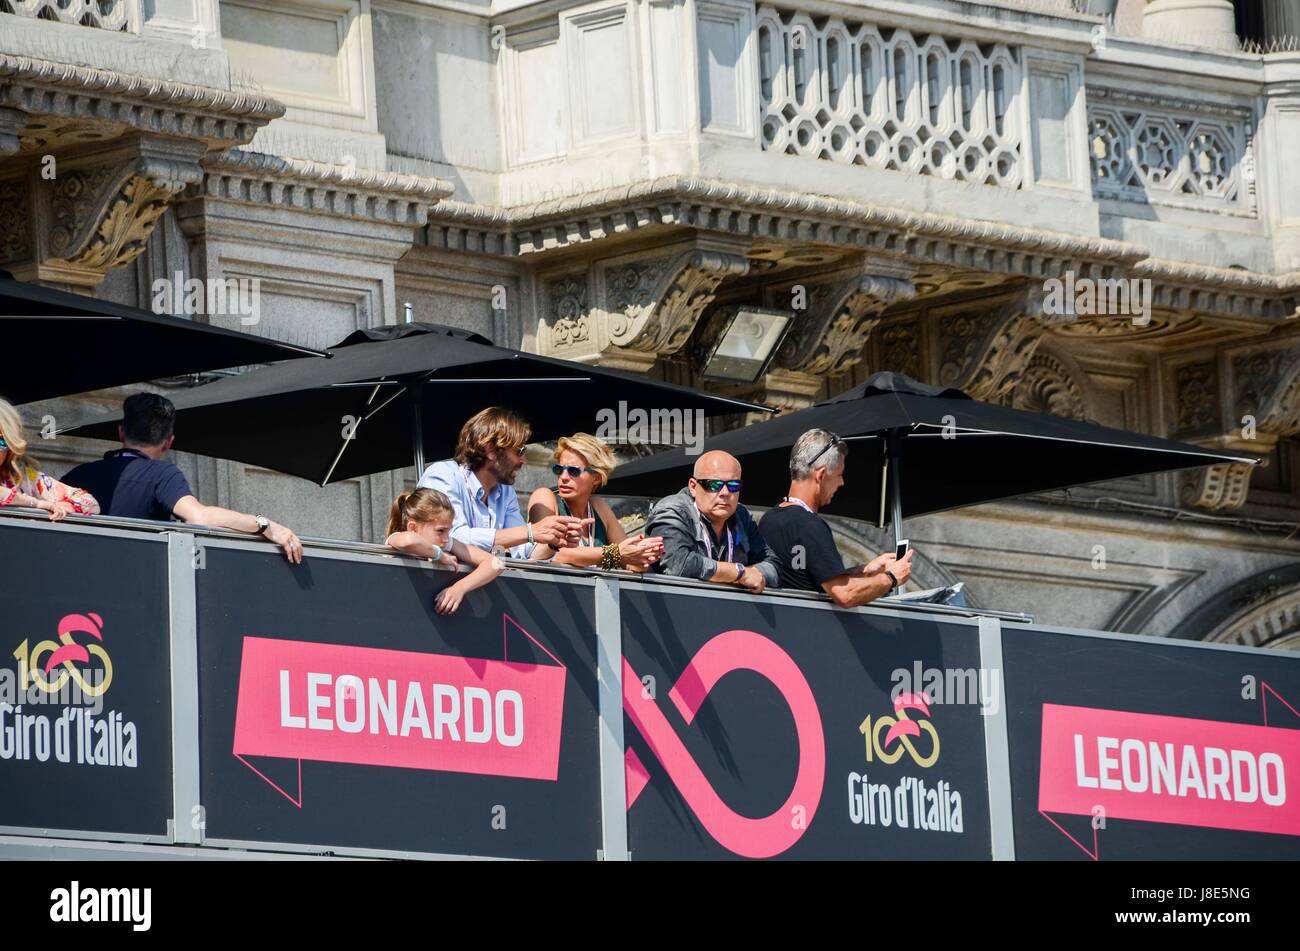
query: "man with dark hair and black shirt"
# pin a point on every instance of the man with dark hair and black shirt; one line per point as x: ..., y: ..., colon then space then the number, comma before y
x: 807, y: 558
x: 136, y: 482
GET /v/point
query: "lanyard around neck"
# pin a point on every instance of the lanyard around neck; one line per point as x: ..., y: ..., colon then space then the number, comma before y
x: 708, y: 539
x: 799, y: 502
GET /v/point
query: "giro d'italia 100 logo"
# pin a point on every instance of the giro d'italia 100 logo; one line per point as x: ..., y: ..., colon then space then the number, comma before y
x: 879, y: 796
x: 52, y: 705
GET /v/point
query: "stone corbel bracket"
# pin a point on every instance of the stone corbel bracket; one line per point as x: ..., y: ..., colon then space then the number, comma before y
x: 987, y: 354
x: 829, y: 336
x: 72, y: 222
x: 101, y: 216
x: 59, y: 97
x: 639, y: 308
x: 1265, y: 388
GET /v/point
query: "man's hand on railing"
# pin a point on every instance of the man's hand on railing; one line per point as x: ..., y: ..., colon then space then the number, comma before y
x: 559, y: 531
x: 752, y: 580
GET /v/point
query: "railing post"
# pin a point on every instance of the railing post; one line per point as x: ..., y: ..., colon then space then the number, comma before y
x: 188, y: 820
x: 609, y: 677
x: 996, y: 748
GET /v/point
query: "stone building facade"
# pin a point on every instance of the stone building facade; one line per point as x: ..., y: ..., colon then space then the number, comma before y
x: 594, y: 179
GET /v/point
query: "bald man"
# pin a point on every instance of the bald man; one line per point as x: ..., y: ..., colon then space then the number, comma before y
x: 708, y: 535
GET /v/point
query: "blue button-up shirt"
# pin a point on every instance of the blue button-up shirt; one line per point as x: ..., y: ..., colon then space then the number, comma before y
x: 477, y: 518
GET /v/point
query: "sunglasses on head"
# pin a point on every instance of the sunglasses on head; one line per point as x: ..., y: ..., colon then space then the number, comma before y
x: 835, y: 441
x: 573, y: 471
x: 715, y: 485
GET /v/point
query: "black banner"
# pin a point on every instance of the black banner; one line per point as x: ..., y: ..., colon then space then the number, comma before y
x: 1124, y: 749
x: 339, y: 710
x: 758, y: 729
x: 85, y: 690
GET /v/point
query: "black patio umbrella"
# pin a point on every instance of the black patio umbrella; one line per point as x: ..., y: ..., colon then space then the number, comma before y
x: 916, y: 449
x: 358, y: 413
x: 66, y: 343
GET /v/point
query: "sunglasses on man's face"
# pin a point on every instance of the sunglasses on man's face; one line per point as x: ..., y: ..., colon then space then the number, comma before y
x: 573, y: 471
x: 715, y: 485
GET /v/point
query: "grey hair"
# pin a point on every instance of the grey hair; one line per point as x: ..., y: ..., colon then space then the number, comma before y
x: 807, y: 454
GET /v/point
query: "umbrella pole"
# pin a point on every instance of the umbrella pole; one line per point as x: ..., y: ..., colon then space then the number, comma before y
x: 894, y: 465
x: 417, y: 428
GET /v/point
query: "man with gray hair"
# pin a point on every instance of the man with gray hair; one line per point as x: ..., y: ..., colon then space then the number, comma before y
x: 805, y: 551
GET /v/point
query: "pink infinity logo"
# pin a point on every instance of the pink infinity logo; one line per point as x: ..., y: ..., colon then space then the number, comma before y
x: 732, y: 650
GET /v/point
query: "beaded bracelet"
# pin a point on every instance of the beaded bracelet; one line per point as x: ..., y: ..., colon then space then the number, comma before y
x: 611, y: 558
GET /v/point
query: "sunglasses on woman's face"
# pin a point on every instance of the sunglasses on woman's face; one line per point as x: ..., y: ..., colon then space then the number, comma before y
x: 3, y: 445
x: 573, y: 471
x: 715, y: 485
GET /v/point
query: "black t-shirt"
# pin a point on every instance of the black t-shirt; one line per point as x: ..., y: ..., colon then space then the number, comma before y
x: 129, y: 484
x: 804, y: 547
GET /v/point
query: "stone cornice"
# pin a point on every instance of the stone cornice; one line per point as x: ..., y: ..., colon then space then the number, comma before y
x: 752, y: 211
x: 256, y: 178
x: 760, y: 212
x: 47, y: 88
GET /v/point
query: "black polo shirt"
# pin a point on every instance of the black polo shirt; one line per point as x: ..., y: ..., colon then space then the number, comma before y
x: 129, y: 484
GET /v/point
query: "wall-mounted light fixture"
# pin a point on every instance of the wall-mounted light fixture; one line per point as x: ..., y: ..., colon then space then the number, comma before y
x: 747, y: 340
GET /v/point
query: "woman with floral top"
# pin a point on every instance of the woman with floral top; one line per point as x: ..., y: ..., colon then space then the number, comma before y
x: 21, y: 483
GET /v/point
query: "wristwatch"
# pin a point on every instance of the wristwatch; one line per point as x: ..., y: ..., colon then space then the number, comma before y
x: 740, y: 567
x: 263, y: 523
x: 893, y: 581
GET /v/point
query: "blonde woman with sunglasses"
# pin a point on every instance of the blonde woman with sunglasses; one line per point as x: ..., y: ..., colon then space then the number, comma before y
x: 582, y: 465
x: 24, y: 485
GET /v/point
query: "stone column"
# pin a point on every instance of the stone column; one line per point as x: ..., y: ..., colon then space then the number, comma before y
x: 1282, y: 22
x: 1210, y: 23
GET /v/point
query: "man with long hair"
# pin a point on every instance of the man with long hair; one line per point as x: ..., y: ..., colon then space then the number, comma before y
x: 480, y: 480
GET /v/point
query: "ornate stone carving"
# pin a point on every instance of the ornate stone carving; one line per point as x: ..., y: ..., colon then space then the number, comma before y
x: 116, y: 15
x: 1215, y: 488
x: 1186, y: 154
x: 98, y: 209
x: 932, y: 281
x: 15, y: 234
x: 657, y: 314
x: 900, y: 349
x: 986, y: 354
x: 828, y: 337
x: 567, y: 304
x: 1047, y: 386
x: 1196, y: 397
x: 898, y: 118
x: 1266, y: 386
x: 641, y: 308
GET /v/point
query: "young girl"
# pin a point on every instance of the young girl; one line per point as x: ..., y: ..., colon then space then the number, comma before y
x: 419, y: 523
x: 22, y: 484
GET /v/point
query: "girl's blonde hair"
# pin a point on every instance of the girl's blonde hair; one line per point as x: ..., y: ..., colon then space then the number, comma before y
x: 419, y: 506
x: 598, y: 455
x: 11, y: 428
